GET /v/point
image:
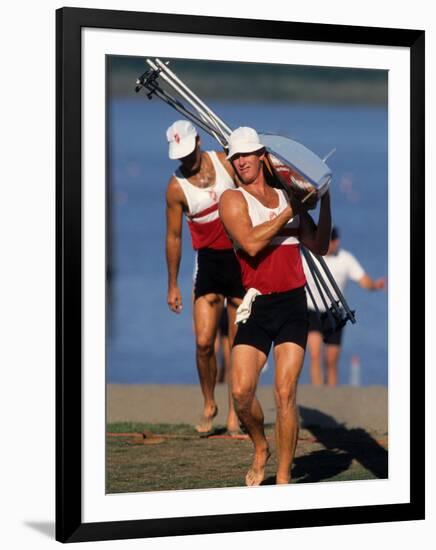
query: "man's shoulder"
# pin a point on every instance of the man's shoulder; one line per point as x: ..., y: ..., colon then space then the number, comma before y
x: 233, y: 194
x: 173, y: 181
x: 174, y: 191
x: 231, y: 197
x: 345, y: 255
x: 348, y: 260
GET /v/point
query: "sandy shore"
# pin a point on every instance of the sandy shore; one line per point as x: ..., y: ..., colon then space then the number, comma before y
x: 350, y: 407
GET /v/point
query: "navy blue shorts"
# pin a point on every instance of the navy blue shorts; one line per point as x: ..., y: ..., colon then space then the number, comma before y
x: 328, y: 337
x: 218, y: 272
x: 223, y: 324
x: 275, y: 318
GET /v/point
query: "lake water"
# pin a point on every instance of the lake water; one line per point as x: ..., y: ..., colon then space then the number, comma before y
x: 149, y: 344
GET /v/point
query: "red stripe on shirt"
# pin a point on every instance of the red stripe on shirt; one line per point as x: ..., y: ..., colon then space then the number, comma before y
x: 206, y: 211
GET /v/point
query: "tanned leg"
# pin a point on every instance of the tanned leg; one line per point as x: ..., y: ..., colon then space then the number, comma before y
x: 289, y: 362
x: 218, y: 347
x: 232, y: 418
x: 207, y: 310
x: 247, y: 363
x: 226, y: 351
x: 314, y: 343
x: 332, y: 357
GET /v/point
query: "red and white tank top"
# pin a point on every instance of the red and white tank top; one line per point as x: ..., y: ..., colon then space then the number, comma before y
x: 207, y: 230
x: 278, y: 267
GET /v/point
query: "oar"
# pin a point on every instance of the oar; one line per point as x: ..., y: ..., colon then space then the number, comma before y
x: 164, y: 67
x: 185, y: 96
x: 182, y: 91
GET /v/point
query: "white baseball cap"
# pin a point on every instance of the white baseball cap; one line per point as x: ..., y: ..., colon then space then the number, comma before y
x: 243, y: 140
x: 181, y: 137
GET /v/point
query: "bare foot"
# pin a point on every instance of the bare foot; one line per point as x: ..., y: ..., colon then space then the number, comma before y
x: 256, y: 473
x: 205, y: 424
x: 283, y: 480
x: 233, y: 428
x: 234, y: 432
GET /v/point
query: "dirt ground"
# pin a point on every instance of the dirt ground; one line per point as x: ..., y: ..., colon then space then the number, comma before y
x: 173, y: 457
x: 152, y: 445
x: 353, y: 407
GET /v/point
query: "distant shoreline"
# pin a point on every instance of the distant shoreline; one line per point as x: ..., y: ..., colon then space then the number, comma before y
x: 245, y: 82
x: 302, y: 91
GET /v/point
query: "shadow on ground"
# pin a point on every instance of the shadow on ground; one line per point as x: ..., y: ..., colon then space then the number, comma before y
x: 341, y: 445
x: 326, y: 451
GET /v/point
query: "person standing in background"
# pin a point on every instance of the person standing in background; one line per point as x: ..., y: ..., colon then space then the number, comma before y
x: 343, y: 266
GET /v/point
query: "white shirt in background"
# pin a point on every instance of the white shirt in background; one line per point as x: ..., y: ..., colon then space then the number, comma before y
x: 343, y: 267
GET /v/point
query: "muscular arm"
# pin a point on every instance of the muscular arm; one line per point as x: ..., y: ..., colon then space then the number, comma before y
x: 368, y: 283
x: 317, y: 237
x: 234, y: 215
x: 174, y: 216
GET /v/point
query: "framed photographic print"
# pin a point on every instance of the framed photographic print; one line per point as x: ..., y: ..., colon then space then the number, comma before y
x: 342, y: 109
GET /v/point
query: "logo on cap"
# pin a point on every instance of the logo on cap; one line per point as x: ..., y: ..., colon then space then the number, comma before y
x: 177, y: 138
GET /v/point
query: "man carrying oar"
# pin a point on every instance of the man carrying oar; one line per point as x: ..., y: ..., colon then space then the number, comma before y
x: 267, y: 231
x: 194, y: 191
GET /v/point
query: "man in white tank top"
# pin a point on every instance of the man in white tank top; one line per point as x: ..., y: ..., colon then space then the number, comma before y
x: 267, y: 231
x: 193, y: 192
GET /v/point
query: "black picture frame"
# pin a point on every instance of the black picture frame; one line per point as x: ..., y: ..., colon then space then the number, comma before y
x: 69, y: 22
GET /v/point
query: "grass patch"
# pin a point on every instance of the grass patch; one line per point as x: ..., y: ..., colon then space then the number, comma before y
x: 183, y: 460
x: 140, y: 427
